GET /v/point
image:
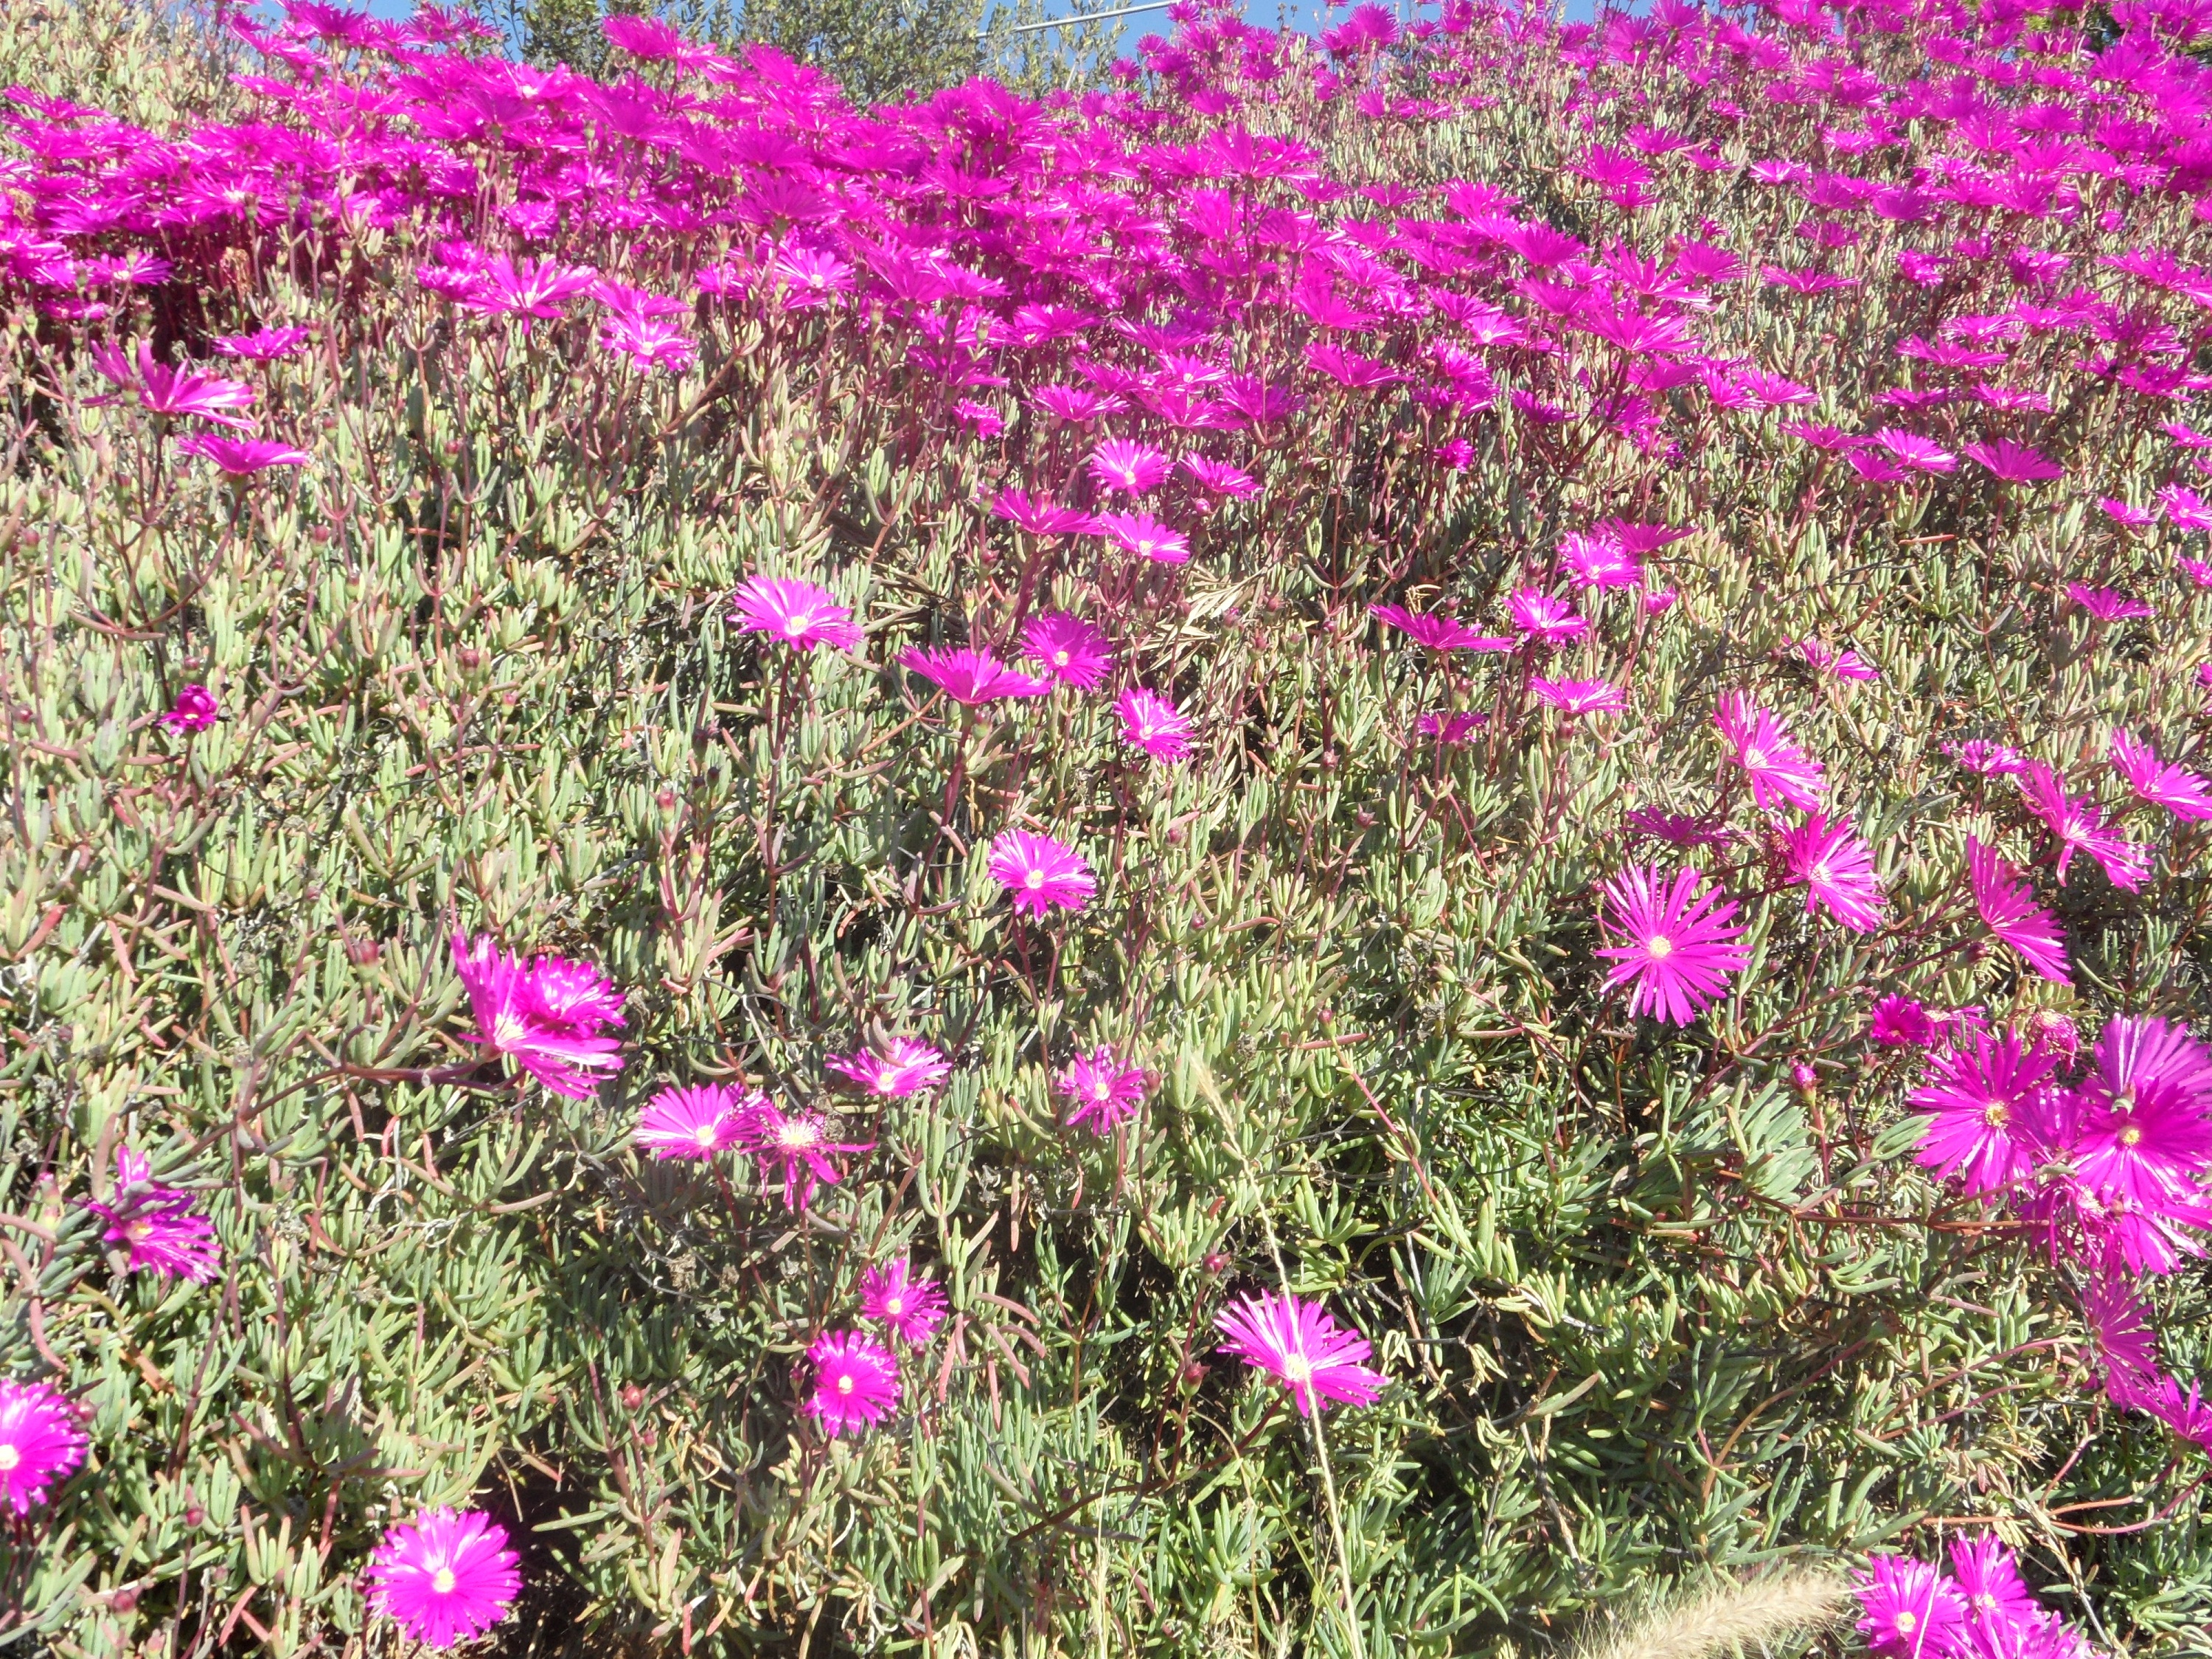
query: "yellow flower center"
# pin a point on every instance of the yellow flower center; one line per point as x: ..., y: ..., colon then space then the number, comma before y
x: 1996, y: 1114
x: 1060, y: 659
x: 704, y: 1134
x: 844, y: 1385
x: 895, y: 1305
x: 443, y: 1581
x: 799, y: 1134
x: 798, y: 623
x: 1659, y: 946
x: 1905, y: 1623
x: 1296, y: 1368
x: 139, y: 1231
x: 1033, y: 880
x: 2132, y: 1135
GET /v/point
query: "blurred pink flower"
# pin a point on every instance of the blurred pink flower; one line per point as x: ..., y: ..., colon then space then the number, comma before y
x: 1780, y: 770
x: 1541, y: 617
x: 913, y: 1308
x: 1574, y: 697
x: 169, y: 392
x: 445, y: 1578
x: 1297, y: 1343
x: 905, y: 1067
x: 2106, y: 603
x: 2012, y: 462
x: 1145, y: 537
x: 194, y: 710
x: 1106, y: 1093
x: 240, y: 458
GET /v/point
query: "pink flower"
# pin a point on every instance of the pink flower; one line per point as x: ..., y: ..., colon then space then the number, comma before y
x: 1543, y: 618
x: 175, y: 391
x: 1040, y: 873
x: 650, y: 342
x: 194, y: 710
x: 1321, y: 1363
x: 1447, y: 727
x: 2143, y: 1127
x: 913, y: 1308
x: 1899, y: 1022
x: 2008, y: 908
x: 1580, y: 696
x: 2179, y: 790
x: 905, y: 1067
x: 1676, y: 950
x: 1218, y: 477
x: 1913, y: 450
x: 1126, y: 464
x: 986, y: 421
x: 1439, y: 633
x: 40, y: 1442
x: 156, y: 1224
x: 1151, y: 723
x: 696, y: 1122
x: 856, y: 1382
x: 2119, y: 1325
x: 264, y: 344
x: 2106, y: 603
x: 799, y: 614
x: 1999, y: 1605
x: 2012, y: 462
x: 2078, y: 824
x: 1980, y: 1100
x: 1837, y: 870
x: 1145, y: 537
x: 1106, y: 1093
x: 527, y: 288
x: 795, y: 1146
x: 972, y: 677
x: 1072, y: 651
x: 1911, y: 1612
x: 445, y: 1578
x: 240, y: 458
x: 1986, y: 759
x: 1597, y: 559
x: 1778, y: 768
x: 1040, y: 515
x: 1844, y: 664
x: 545, y: 1016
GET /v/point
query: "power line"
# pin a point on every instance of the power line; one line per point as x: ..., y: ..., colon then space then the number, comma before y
x: 1087, y: 17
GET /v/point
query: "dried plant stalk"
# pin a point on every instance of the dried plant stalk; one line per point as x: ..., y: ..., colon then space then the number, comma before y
x: 1734, y: 1616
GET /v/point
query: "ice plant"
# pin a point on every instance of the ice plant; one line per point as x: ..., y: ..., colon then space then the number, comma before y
x: 1299, y: 1344
x: 1981, y: 1099
x: 194, y: 710
x: 1069, y: 649
x: 855, y: 1382
x: 1151, y: 723
x: 1439, y: 633
x: 1106, y: 1093
x: 911, y: 1308
x: 1837, y: 870
x: 1910, y: 1610
x: 445, y: 1577
x: 547, y: 1015
x: 1126, y: 464
x: 904, y: 1066
x: 793, y: 1148
x: 174, y: 393
x: 695, y: 1122
x: 2145, y: 1113
x: 40, y: 1442
x: 1580, y: 696
x: 1780, y: 771
x: 2176, y: 788
x: 2009, y: 909
x: 155, y: 1226
x: 240, y: 458
x: 1674, y: 946
x: 798, y: 614
x: 2077, y: 825
x: 1040, y: 873
x: 972, y: 677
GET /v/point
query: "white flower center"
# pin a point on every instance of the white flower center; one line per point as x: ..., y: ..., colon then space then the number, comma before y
x: 443, y: 1581
x: 896, y: 1305
x: 704, y: 1134
x: 799, y: 624
x: 1754, y: 758
x: 799, y: 1134
x: 845, y: 1384
x: 9, y: 1457
x: 1659, y: 946
x: 1905, y: 1622
x: 1296, y: 1368
x: 1060, y: 659
x: 1033, y: 880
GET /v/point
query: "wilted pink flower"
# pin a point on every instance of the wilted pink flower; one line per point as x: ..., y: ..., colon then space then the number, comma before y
x: 445, y: 1578
x: 1145, y: 537
x: 2012, y: 462
x: 1439, y: 633
x: 913, y: 1308
x: 1911, y: 1612
x: 1071, y: 650
x: 40, y: 1442
x: 155, y: 1225
x: 798, y: 613
x: 1151, y: 723
x: 1448, y: 727
x: 1986, y: 759
x: 240, y: 458
x: 1837, y: 870
x: 545, y: 1016
x: 1980, y: 1097
x: 1106, y: 1093
x: 1039, y: 873
x: 1675, y: 948
x: 2180, y: 791
x: 972, y: 677
x: 194, y: 710
x: 1126, y: 464
x: 1320, y: 1361
x: 1778, y: 768
x: 1580, y: 696
x: 694, y: 1122
x: 2077, y: 824
x: 1541, y: 617
x: 905, y: 1067
x: 856, y: 1382
x: 795, y: 1146
x: 2008, y: 908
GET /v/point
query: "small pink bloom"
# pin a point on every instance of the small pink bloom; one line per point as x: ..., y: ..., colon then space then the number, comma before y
x: 445, y: 1578
x: 156, y: 1224
x: 2176, y: 788
x: 1675, y: 948
x: 795, y: 1146
x: 545, y: 1016
x: 1070, y: 649
x: 1106, y: 1093
x: 2106, y: 603
x: 1040, y: 873
x: 905, y: 1067
x: 1145, y: 537
x: 1439, y: 633
x: 986, y: 421
x: 1543, y: 619
x: 972, y: 677
x: 1779, y: 769
x: 194, y: 710
x: 856, y: 1382
x: 1296, y: 1342
x: 1899, y: 1022
x: 799, y: 614
x: 913, y: 1308
x: 1580, y: 696
x: 1837, y: 870
x: 1126, y: 464
x: 240, y: 458
x: 2008, y: 908
x: 39, y: 1443
x: 1151, y: 723
x: 694, y: 1122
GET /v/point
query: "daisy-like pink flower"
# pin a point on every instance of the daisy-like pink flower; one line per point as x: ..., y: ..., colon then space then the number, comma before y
x: 1151, y: 723
x: 194, y: 710
x: 2078, y: 825
x: 1675, y: 948
x: 1778, y: 768
x: 445, y: 1578
x: 1070, y: 649
x: 175, y: 391
x: 1218, y: 477
x: 1298, y: 1342
x: 1580, y: 696
x: 1986, y: 759
x: 1041, y: 515
x: 799, y: 614
x: 240, y: 458
x: 2144, y: 1122
x: 1911, y: 1611
x: 1598, y: 559
x: 972, y: 677
x: 1106, y: 1093
x: 1844, y: 664
x: 905, y: 1067
x: 155, y: 1225
x: 694, y: 1122
x: 1543, y: 619
x: 1999, y: 1605
x: 2011, y: 463
x: 1911, y: 450
x: 1439, y: 633
x: 1126, y: 464
x: 856, y: 1382
x: 546, y: 1017
x: 1837, y: 870
x: 795, y: 1146
x: 2009, y: 910
x: 39, y: 1443
x: 2107, y: 604
x: 913, y: 1308
x: 1447, y: 727
x: 2176, y: 788
x: 1900, y: 1022
x: 1980, y: 1099
x: 1040, y: 873
x: 1145, y: 537
x: 264, y: 344
x: 2119, y: 1325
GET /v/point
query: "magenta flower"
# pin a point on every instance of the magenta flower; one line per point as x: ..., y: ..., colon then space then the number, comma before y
x: 856, y: 1382
x: 2009, y: 909
x: 1918, y: 453
x: 1296, y: 1342
x: 1980, y: 1101
x: 1151, y: 723
x: 2119, y: 1325
x: 2107, y: 604
x: 1447, y: 727
x: 1986, y: 759
x: 527, y: 288
x: 445, y: 1578
x: 1439, y: 633
x: 650, y: 342
x: 1844, y: 664
x: 1145, y: 537
x: 905, y: 1067
x: 194, y: 710
x: 1220, y: 478
x: 2142, y: 1128
x: 2078, y: 825
x: 40, y: 1442
x: 696, y: 1122
x: 795, y: 1146
x: 1999, y: 1605
x: 1580, y: 696
x: 155, y: 1225
x: 1072, y: 651
x: 799, y: 614
x: 1041, y: 516
x: 1778, y: 768
x: 913, y: 1308
x: 264, y: 344
x: 1106, y: 1093
x: 1126, y: 464
x: 1837, y: 870
x: 1911, y: 1612
x: 175, y: 391
x: 1900, y: 1022
x: 1040, y: 873
x: 240, y: 458
x: 2011, y: 463
x: 1676, y: 949
x: 545, y: 1016
x: 1544, y: 619
x: 972, y: 677
x: 2176, y: 788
